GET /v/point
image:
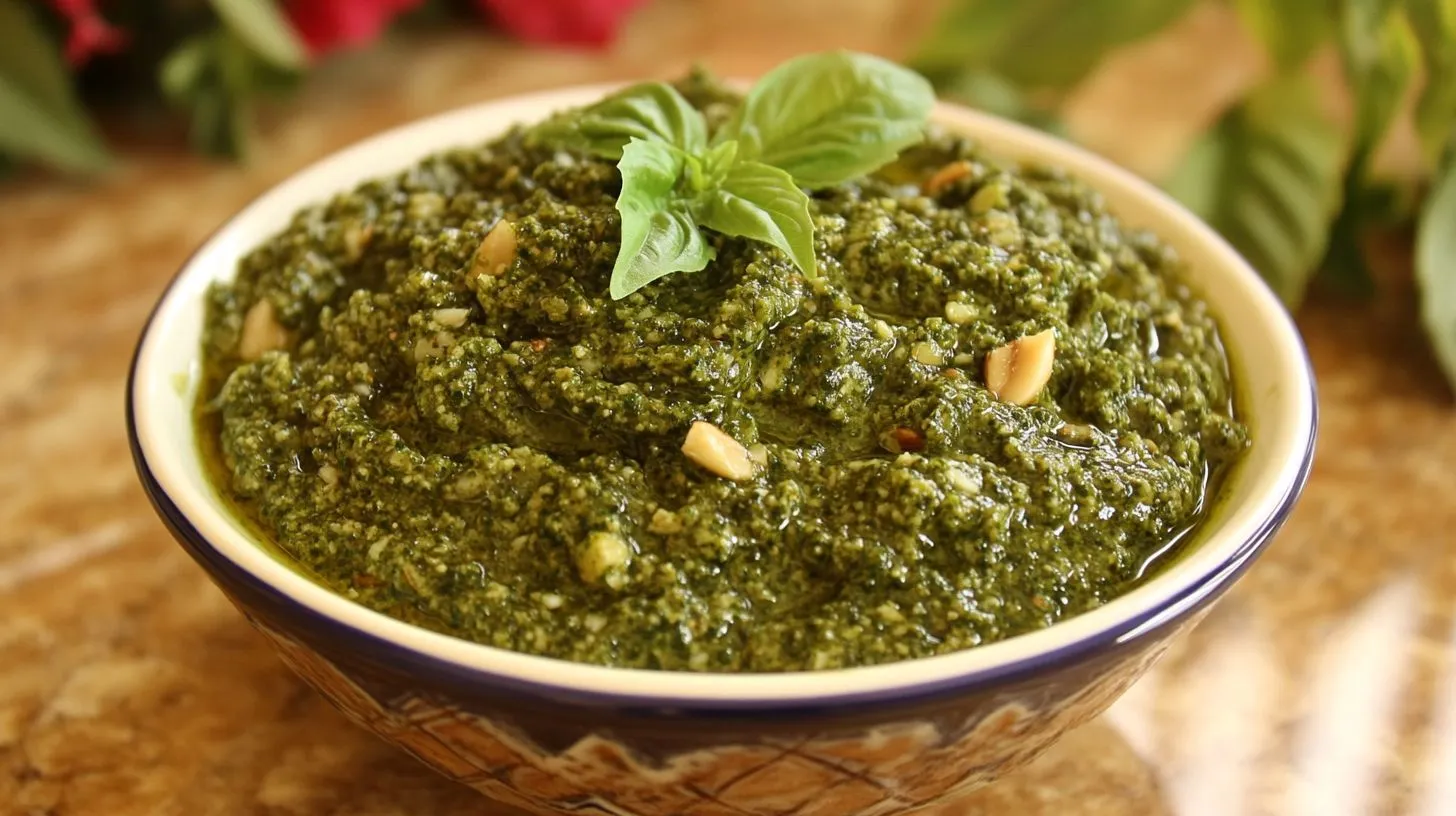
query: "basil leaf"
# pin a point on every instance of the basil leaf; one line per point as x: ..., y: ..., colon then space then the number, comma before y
x: 264, y: 29
x: 650, y: 111
x: 1436, y: 268
x: 1435, y: 25
x: 1040, y: 43
x: 216, y: 75
x: 762, y: 203
x: 719, y: 160
x: 1290, y: 30
x: 1344, y: 267
x: 1381, y: 53
x: 827, y: 118
x: 659, y: 236
x: 1267, y: 176
x: 40, y: 116
x: 186, y: 68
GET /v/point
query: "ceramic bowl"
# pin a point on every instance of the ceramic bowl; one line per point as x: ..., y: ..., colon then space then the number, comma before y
x: 551, y: 736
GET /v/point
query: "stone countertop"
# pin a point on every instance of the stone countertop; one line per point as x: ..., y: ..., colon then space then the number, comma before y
x: 1324, y: 684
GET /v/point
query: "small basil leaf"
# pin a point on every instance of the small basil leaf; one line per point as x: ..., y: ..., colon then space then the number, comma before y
x: 1267, y: 176
x: 827, y: 118
x: 1436, y: 268
x: 659, y: 236
x: 650, y: 111
x: 762, y: 203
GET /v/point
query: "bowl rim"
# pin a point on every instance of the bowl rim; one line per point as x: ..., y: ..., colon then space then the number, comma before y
x: 195, y: 513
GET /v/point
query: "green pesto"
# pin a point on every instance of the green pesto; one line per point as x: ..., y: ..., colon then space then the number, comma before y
x: 517, y: 479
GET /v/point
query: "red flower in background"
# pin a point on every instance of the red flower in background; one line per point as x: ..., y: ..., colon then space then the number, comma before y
x: 329, y: 25
x: 564, y: 22
x: 90, y: 33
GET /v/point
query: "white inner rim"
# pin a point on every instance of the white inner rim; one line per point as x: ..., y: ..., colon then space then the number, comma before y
x: 1275, y: 386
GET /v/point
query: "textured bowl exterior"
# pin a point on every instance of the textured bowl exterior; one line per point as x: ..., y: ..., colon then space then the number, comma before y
x: 553, y: 737
x: 547, y: 755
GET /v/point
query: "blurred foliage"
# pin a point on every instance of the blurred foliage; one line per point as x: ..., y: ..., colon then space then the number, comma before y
x: 1288, y: 187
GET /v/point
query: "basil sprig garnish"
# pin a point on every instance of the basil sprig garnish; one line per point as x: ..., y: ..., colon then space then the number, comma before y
x: 814, y: 121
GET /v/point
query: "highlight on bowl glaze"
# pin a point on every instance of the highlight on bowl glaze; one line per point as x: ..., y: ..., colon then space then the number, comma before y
x: 557, y: 737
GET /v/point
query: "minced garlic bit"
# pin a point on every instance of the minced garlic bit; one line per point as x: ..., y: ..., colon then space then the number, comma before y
x: 708, y: 446
x: 1017, y: 371
x: 497, y: 251
x: 262, y: 332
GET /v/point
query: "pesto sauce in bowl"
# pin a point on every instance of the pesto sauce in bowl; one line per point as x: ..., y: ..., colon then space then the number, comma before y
x: 499, y: 457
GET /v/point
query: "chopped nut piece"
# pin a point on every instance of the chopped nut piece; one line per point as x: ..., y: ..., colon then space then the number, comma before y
x: 1077, y: 435
x: 926, y: 354
x: 425, y: 205
x: 497, y: 251
x: 946, y: 176
x: 539, y: 344
x: 356, y: 239
x: 759, y: 454
x: 708, y: 446
x: 454, y: 318
x: 435, y: 346
x: 1017, y: 371
x: 990, y: 197
x: 603, y: 553
x: 959, y: 313
x: 902, y: 440
x: 262, y: 332
x: 665, y: 522
x: 1002, y: 229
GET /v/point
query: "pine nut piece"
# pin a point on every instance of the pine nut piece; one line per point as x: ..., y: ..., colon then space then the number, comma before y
x: 708, y: 446
x: 451, y: 318
x: 497, y: 251
x: 1018, y: 371
x: 926, y: 354
x: 946, y: 176
x: 262, y: 332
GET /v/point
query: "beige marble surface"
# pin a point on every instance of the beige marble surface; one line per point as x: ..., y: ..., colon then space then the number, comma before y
x: 1324, y: 685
